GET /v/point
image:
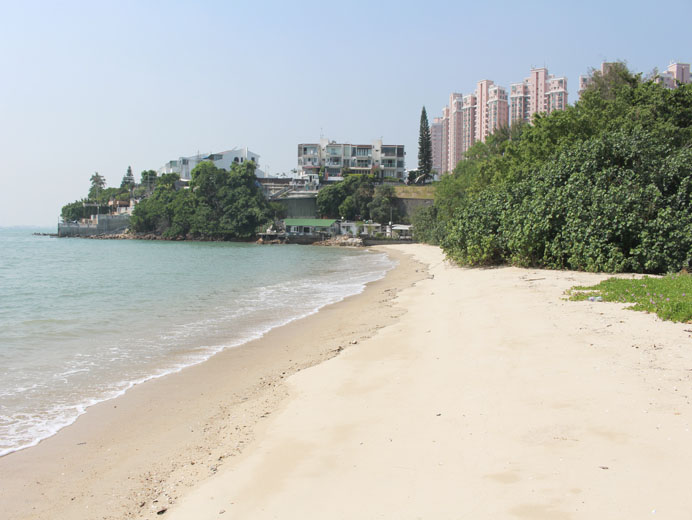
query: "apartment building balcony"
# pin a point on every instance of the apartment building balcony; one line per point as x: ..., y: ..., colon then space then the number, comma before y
x: 308, y: 150
x: 363, y: 151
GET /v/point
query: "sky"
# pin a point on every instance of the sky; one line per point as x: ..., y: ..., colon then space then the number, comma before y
x: 99, y: 86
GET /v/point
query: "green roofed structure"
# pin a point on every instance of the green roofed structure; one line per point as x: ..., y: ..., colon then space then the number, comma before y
x: 311, y: 226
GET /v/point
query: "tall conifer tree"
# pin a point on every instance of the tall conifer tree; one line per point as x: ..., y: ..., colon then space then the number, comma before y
x: 424, y: 146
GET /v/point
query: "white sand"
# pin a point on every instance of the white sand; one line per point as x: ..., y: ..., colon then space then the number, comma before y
x: 492, y: 397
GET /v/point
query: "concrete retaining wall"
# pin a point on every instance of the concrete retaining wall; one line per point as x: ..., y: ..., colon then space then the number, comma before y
x: 408, y: 207
x: 300, y: 207
x: 105, y: 225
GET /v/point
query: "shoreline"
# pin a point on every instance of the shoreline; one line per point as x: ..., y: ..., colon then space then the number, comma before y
x: 94, y: 400
x: 463, y: 392
x: 165, y: 435
x: 495, y: 398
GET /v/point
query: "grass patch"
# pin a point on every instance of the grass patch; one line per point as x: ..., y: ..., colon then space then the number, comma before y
x: 670, y: 297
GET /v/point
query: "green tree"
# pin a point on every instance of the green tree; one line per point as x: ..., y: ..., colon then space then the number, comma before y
x: 155, y: 214
x: 382, y: 208
x: 167, y: 180
x: 377, y: 173
x: 363, y: 189
x: 424, y: 146
x: 348, y: 208
x: 219, y: 205
x: 614, y: 76
x: 357, y: 186
x: 128, y: 181
x: 329, y: 198
x: 98, y: 183
x: 74, y: 211
x: 427, y: 227
x: 148, y: 180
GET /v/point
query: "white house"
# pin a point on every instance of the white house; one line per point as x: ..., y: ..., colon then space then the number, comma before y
x: 349, y: 227
x: 183, y: 166
x: 358, y: 158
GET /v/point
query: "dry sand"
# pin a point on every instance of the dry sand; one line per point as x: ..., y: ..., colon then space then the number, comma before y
x: 492, y: 397
x: 472, y: 394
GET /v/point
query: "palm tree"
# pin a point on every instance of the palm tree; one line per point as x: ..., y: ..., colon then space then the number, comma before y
x: 98, y: 182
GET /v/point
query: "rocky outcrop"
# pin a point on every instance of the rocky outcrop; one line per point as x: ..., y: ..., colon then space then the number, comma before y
x: 341, y: 240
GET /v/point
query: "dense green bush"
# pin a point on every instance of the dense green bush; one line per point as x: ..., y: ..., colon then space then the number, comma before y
x: 427, y: 227
x: 601, y: 186
x: 75, y: 211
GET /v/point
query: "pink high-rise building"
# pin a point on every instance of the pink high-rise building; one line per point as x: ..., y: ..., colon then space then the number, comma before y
x: 539, y: 93
x: 498, y: 108
x: 492, y: 109
x: 439, y: 132
x: 456, y: 130
x: 519, y: 96
x: 468, y: 119
x: 556, y: 96
x: 444, y: 152
x: 674, y: 74
x: 468, y: 136
x: 436, y: 131
x: 481, y: 130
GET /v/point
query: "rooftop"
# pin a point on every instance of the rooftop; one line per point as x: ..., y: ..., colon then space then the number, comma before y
x: 309, y: 222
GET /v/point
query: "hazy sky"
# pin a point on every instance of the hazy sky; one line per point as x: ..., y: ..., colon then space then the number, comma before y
x: 100, y: 85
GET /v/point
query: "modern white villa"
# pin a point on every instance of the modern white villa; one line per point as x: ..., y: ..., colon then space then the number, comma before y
x: 183, y: 166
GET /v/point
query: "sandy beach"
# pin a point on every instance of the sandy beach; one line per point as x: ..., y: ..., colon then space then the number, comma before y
x: 439, y: 392
x: 492, y: 397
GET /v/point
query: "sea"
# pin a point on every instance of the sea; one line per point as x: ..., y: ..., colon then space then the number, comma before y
x: 82, y: 321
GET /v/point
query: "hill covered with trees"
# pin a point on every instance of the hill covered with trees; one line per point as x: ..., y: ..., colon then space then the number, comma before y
x: 605, y: 185
x: 218, y: 205
x: 103, y: 200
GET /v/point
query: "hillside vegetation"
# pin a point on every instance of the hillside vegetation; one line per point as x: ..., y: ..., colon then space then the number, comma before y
x: 219, y: 205
x: 605, y: 185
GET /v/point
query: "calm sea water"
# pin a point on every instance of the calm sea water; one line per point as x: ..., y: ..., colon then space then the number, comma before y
x: 81, y: 321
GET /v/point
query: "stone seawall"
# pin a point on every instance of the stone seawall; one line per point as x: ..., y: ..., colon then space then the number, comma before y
x: 104, y: 225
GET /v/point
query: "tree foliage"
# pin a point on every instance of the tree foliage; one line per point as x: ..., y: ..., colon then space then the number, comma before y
x: 97, y: 201
x: 605, y: 185
x: 382, y: 208
x: 424, y: 146
x: 218, y: 205
x: 348, y: 198
x: 128, y: 181
x: 148, y: 180
x: 98, y: 182
x: 74, y: 211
